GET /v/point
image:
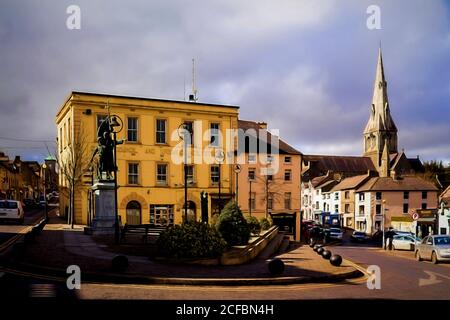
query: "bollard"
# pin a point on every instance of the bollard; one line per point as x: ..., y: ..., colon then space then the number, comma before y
x: 326, y: 254
x: 120, y: 263
x: 336, y: 260
x: 276, y: 267
x: 320, y: 250
x: 317, y: 246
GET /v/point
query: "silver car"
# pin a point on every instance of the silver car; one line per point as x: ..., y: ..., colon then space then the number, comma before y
x: 435, y: 248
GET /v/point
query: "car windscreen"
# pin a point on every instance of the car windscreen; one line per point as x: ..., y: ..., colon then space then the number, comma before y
x: 442, y: 241
x: 8, y: 205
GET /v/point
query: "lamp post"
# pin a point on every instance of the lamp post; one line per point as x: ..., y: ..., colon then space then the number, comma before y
x: 44, y: 167
x: 382, y: 223
x: 182, y: 133
x: 250, y: 197
x: 237, y: 170
x: 220, y: 157
x: 114, y: 122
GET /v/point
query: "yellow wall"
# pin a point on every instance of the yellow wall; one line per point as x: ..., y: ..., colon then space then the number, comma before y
x: 145, y: 151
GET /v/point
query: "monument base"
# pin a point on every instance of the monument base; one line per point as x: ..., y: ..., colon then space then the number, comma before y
x: 105, y: 210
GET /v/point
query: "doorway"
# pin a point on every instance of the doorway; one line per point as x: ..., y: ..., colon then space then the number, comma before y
x: 133, y: 212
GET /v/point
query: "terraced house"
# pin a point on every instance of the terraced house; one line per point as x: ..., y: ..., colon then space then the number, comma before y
x: 151, y: 183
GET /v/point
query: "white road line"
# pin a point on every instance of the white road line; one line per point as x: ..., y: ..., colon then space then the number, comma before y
x: 42, y: 290
x: 433, y: 278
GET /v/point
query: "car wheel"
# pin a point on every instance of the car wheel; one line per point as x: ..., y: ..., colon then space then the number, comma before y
x: 434, y: 258
x: 418, y: 258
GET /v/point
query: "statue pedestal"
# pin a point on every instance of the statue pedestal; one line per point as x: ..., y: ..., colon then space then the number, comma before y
x: 105, y: 211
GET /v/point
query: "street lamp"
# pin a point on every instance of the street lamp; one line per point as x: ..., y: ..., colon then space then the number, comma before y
x: 250, y: 196
x: 219, y: 158
x: 183, y: 134
x: 44, y: 167
x: 237, y: 170
x: 382, y: 223
x: 116, y: 122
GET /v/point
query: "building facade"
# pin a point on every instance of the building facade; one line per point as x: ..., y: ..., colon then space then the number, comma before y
x: 396, y: 199
x: 269, y: 182
x: 19, y: 179
x: 150, y: 161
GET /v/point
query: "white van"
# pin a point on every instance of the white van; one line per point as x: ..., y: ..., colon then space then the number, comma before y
x: 11, y: 210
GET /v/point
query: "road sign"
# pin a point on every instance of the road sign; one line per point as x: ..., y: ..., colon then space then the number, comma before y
x: 415, y: 216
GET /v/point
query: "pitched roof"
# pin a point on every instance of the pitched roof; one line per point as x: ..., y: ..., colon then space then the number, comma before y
x: 351, y: 182
x: 341, y: 163
x: 327, y: 185
x: 445, y: 196
x: 416, y: 164
x: 319, y: 180
x: 282, y: 145
x: 406, y: 183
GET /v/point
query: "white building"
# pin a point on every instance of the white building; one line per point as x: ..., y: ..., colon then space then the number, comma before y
x: 444, y: 212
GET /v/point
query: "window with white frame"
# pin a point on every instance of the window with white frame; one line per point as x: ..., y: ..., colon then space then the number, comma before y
x: 133, y: 173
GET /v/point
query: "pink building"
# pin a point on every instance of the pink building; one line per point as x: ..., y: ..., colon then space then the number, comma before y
x: 269, y: 181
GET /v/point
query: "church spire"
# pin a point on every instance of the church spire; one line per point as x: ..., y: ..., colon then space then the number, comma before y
x: 380, y: 117
x: 380, y: 127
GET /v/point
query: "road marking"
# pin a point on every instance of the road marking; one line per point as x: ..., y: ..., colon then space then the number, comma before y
x: 433, y: 279
x: 42, y: 290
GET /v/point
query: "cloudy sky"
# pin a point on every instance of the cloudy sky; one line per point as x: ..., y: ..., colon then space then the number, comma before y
x: 305, y: 67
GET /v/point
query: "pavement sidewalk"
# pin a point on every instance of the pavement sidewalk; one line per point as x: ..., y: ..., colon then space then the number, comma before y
x: 59, y: 246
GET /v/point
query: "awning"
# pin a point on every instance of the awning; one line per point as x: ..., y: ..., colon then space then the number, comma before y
x: 402, y: 219
x: 429, y: 220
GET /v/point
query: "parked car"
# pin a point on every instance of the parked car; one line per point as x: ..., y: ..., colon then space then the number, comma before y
x: 404, y: 242
x: 336, y: 233
x: 359, y: 236
x: 29, y: 204
x: 435, y: 248
x: 42, y: 201
x: 11, y: 210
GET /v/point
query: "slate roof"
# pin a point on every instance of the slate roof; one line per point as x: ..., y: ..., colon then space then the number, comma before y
x: 351, y: 182
x: 341, y: 163
x: 406, y: 183
x: 284, y: 148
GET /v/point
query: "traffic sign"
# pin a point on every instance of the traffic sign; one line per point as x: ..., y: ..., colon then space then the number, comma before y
x: 415, y: 216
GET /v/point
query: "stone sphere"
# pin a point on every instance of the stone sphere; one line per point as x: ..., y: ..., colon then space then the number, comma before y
x: 120, y: 263
x: 320, y: 250
x: 312, y: 243
x: 336, y: 260
x: 326, y: 254
x: 317, y: 246
x: 276, y: 267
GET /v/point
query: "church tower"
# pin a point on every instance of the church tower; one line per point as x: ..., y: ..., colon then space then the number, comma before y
x: 380, y: 134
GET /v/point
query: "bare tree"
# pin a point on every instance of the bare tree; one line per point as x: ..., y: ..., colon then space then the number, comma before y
x: 73, y: 164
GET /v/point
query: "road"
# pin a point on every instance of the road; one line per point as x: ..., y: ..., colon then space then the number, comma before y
x: 401, y: 278
x: 9, y: 229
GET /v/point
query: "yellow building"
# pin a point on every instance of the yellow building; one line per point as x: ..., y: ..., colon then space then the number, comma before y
x: 150, y: 175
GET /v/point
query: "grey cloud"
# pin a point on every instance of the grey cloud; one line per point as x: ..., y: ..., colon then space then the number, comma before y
x: 306, y: 69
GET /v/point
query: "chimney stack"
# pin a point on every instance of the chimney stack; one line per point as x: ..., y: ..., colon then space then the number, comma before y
x: 262, y: 125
